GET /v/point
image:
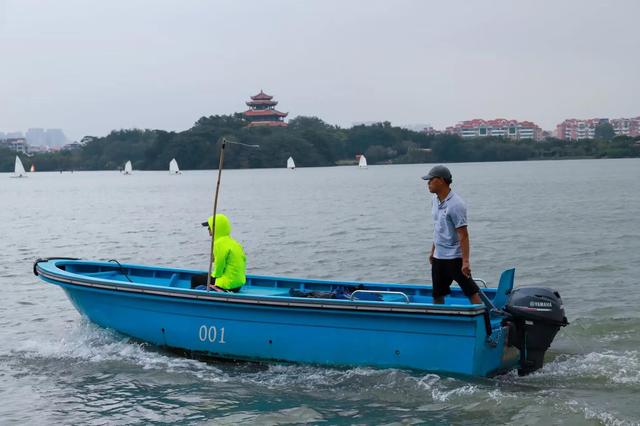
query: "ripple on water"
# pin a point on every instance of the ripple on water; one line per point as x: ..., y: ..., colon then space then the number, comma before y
x: 599, y: 415
x: 285, y: 416
x: 76, y: 373
x: 119, y: 367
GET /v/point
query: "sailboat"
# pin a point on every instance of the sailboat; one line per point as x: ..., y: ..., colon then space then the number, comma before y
x: 18, y: 170
x: 128, y: 169
x: 173, y: 167
x: 290, y: 164
x: 363, y: 162
x: 33, y: 168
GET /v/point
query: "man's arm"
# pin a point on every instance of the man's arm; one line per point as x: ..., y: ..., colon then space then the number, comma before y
x: 221, y: 251
x: 433, y: 249
x: 463, y: 236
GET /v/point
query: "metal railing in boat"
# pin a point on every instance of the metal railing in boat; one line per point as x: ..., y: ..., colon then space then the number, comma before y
x: 399, y: 293
x: 381, y: 292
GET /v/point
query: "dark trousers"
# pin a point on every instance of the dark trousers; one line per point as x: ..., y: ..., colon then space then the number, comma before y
x: 444, y: 272
x: 201, y: 280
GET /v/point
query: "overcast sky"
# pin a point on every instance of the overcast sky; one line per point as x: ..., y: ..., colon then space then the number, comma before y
x: 92, y: 66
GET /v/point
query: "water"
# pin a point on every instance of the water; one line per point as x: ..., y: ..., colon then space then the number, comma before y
x: 571, y: 225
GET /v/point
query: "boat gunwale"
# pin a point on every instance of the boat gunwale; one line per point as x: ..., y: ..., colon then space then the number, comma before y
x: 81, y: 280
x: 251, y: 276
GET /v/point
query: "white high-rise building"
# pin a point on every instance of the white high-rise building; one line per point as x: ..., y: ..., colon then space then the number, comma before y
x: 36, y: 136
x: 55, y: 137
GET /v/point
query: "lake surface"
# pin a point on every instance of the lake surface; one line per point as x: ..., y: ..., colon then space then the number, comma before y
x: 570, y: 225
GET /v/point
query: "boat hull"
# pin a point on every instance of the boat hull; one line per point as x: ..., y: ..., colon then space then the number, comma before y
x: 317, y: 333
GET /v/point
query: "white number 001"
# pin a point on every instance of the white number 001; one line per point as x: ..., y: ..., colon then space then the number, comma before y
x: 211, y: 334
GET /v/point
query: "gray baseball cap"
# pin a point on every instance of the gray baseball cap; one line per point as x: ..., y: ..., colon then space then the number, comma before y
x: 441, y: 172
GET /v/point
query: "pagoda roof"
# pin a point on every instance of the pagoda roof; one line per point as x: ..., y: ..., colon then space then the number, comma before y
x: 261, y: 96
x: 262, y: 102
x: 264, y: 113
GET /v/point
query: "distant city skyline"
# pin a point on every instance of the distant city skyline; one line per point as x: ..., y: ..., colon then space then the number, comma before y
x: 93, y: 68
x: 37, y: 136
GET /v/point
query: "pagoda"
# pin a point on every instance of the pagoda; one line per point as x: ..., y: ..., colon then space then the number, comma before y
x: 262, y: 112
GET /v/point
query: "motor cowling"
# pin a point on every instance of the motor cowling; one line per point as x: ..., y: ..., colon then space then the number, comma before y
x: 535, y: 316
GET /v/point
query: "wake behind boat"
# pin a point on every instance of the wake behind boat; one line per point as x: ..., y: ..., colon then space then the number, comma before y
x: 332, y: 323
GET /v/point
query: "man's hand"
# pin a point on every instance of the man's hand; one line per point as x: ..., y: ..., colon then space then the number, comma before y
x: 430, y: 258
x: 466, y: 268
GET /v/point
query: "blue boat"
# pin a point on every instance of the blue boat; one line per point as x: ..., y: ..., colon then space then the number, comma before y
x: 332, y: 323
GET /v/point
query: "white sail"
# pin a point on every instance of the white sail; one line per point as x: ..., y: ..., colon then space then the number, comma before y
x: 173, y: 167
x: 33, y: 168
x: 128, y: 169
x: 290, y: 164
x: 363, y: 162
x: 19, y: 168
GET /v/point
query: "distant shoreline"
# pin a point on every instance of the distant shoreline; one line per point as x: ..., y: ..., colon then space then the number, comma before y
x: 310, y: 142
x: 330, y: 166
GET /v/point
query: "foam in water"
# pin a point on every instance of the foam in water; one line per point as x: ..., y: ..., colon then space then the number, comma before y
x: 308, y: 377
x: 599, y: 415
x: 388, y: 384
x: 499, y: 396
x: 444, y: 395
x: 87, y: 342
x: 613, y: 367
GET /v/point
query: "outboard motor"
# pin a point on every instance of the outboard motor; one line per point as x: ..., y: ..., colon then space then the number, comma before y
x: 535, y: 316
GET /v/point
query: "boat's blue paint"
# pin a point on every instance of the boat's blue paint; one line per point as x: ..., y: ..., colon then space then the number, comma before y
x: 263, y: 322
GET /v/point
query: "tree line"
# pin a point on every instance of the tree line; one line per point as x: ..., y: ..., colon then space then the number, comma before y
x: 311, y: 142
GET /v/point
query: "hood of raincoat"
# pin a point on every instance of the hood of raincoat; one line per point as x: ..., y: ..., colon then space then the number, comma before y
x: 223, y: 226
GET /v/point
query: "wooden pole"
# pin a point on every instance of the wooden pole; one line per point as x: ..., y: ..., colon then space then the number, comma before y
x: 215, y: 209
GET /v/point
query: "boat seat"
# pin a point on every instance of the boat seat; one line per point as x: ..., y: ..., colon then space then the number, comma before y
x: 504, y: 288
x: 104, y: 274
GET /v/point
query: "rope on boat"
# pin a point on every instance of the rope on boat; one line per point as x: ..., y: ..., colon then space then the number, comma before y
x: 121, y: 270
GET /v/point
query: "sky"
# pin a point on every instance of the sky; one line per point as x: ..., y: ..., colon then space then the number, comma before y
x: 89, y: 67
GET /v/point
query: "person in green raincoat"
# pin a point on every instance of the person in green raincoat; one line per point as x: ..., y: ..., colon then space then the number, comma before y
x: 229, y: 266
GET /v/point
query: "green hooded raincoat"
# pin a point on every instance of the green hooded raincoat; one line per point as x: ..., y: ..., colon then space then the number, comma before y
x: 229, y: 263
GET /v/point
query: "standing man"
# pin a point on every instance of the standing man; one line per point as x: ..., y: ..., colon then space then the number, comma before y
x: 449, y: 257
